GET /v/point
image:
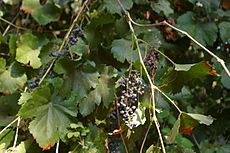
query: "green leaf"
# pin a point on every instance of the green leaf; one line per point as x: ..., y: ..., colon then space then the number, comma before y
x: 206, y: 36
x: 162, y: 5
x: 121, y: 50
x: 21, y: 148
x: 43, y: 14
x: 225, y: 79
x: 83, y: 81
x: 9, y: 106
x: 153, y: 149
x: 12, y: 44
x: 183, y: 73
x: 224, y: 31
x: 207, y: 120
x: 104, y: 91
x: 113, y: 6
x: 7, y: 137
x: 2, y: 65
x: 29, y: 49
x: 183, y: 67
x: 11, y: 2
x: 52, y: 115
x: 139, y: 116
x: 175, y: 131
x: 80, y: 48
x: 15, y: 80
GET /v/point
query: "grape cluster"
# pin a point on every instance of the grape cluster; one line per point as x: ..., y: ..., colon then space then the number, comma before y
x: 151, y: 61
x: 76, y: 32
x: 130, y: 90
x: 72, y: 40
x: 73, y: 37
x: 33, y: 84
x: 223, y: 46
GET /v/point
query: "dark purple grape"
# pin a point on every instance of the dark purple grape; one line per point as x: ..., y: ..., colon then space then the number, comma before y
x: 130, y: 90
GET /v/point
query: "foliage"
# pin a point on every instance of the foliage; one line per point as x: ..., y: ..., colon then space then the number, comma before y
x: 64, y: 65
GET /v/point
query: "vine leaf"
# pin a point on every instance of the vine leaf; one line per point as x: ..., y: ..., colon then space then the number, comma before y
x: 43, y: 14
x: 225, y: 79
x: 16, y: 79
x: 183, y: 67
x: 80, y: 48
x: 186, y: 122
x: 206, y: 36
x: 183, y: 73
x: 52, y: 115
x: 28, y: 50
x: 114, y: 7
x: 175, y: 130
x: 104, y: 91
x: 162, y: 5
x: 224, y: 31
x: 121, y: 50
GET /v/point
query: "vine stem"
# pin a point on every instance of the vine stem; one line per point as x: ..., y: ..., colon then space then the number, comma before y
x: 16, y: 135
x: 146, y: 134
x: 152, y: 88
x: 9, y: 125
x: 65, y: 38
x: 13, y: 25
x: 221, y: 61
x: 57, y: 147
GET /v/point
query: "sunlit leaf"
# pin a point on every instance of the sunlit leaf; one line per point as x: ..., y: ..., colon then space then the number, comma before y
x: 43, y: 14
x: 52, y: 115
x: 29, y: 48
x: 202, y: 119
x: 14, y: 81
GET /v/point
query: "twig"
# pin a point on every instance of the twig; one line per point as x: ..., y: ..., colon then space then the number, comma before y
x: 13, y: 25
x: 57, y: 147
x: 146, y: 134
x: 9, y: 125
x: 149, y: 79
x: 16, y: 134
x: 151, y: 85
x: 65, y: 39
x: 221, y: 61
x: 165, y: 56
x: 197, y: 144
x: 8, y: 27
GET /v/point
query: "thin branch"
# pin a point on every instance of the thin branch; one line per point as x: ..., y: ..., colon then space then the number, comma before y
x: 57, y: 147
x: 9, y: 125
x: 13, y: 25
x: 167, y: 97
x: 146, y: 134
x: 8, y: 27
x: 16, y: 135
x: 151, y: 85
x: 221, y: 61
x: 65, y: 38
x: 165, y: 56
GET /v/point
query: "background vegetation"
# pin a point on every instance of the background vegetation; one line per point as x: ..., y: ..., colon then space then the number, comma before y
x: 72, y: 72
